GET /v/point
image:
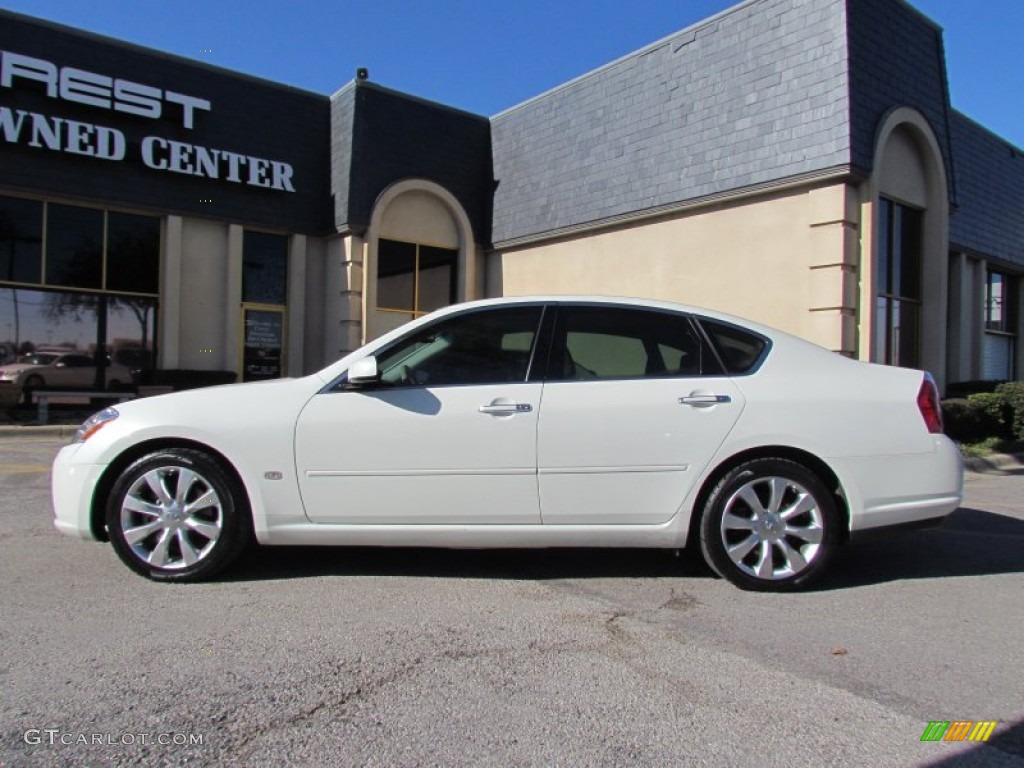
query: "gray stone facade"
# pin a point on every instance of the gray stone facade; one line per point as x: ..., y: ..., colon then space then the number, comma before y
x: 753, y: 95
x: 989, y: 218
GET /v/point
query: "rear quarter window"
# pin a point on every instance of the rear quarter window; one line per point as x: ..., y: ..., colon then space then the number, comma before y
x: 741, y: 351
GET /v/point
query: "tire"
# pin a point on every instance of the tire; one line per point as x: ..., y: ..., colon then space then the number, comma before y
x: 177, y: 515
x: 770, y: 525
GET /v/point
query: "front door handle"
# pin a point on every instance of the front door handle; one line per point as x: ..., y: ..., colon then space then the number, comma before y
x: 506, y: 409
x: 704, y: 400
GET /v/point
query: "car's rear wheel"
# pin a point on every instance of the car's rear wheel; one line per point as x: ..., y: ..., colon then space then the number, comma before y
x: 178, y: 515
x: 770, y: 524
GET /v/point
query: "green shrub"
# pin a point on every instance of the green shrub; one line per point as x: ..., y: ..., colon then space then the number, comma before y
x: 999, y: 412
x: 968, y: 420
x: 1012, y: 394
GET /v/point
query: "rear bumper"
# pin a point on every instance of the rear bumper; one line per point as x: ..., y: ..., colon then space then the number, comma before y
x: 920, y: 488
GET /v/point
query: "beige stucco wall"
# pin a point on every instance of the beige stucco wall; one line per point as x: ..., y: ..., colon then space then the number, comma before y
x: 202, y: 340
x: 418, y: 211
x: 788, y: 260
x: 201, y: 298
x: 910, y: 170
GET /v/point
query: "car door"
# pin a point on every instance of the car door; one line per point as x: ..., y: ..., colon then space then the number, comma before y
x: 446, y: 436
x: 635, y: 405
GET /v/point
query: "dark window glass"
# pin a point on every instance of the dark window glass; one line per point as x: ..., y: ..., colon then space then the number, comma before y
x: 741, y: 350
x: 133, y: 253
x: 898, y: 306
x: 1000, y: 302
x: 616, y: 342
x: 484, y: 347
x: 909, y: 253
x: 74, y: 246
x: 436, y: 278
x: 415, y: 278
x: 21, y: 240
x: 264, y: 268
x: 396, y: 275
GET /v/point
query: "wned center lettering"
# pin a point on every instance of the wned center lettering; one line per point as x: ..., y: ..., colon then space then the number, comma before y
x: 104, y: 143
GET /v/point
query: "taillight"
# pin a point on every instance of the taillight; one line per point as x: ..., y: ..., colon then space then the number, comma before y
x: 928, y: 404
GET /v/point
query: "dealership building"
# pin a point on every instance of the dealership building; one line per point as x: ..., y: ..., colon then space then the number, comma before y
x: 796, y: 162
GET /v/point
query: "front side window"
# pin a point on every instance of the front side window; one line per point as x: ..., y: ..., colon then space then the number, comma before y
x: 898, y: 301
x: 491, y: 346
x: 618, y: 342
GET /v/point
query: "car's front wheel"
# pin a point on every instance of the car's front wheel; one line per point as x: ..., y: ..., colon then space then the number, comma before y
x: 770, y: 524
x: 178, y: 515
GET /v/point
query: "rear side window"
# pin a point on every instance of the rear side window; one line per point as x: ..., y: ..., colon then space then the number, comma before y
x: 619, y: 342
x: 741, y: 350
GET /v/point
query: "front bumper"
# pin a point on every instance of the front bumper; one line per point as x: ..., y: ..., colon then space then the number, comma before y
x: 73, y: 485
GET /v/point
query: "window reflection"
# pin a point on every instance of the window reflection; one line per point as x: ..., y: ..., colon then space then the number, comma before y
x: 21, y: 240
x: 118, y: 331
x: 74, y: 246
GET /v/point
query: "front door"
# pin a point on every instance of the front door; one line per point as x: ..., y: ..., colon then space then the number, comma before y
x: 447, y: 436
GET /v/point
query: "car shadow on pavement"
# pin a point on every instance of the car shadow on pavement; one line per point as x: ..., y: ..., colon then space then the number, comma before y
x: 972, y: 542
x: 514, y: 564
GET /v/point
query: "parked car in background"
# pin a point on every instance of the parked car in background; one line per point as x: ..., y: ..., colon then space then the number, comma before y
x: 527, y: 422
x: 53, y: 369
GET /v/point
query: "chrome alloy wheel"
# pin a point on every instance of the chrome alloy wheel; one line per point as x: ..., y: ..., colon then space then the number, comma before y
x: 772, y: 528
x: 171, y: 517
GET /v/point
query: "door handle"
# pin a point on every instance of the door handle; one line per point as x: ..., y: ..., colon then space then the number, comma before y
x: 506, y: 409
x: 699, y: 400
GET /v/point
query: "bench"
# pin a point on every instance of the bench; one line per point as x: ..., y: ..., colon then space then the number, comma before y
x: 43, y: 397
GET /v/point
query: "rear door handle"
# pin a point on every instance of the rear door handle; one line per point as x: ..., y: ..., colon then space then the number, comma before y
x: 699, y: 400
x: 506, y: 409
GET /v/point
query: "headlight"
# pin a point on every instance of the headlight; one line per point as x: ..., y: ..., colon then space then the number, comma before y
x: 94, y: 423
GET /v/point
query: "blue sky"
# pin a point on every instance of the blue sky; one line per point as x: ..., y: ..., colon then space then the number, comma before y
x: 485, y: 56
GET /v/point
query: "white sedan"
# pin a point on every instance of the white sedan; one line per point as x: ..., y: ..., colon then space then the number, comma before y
x: 529, y: 422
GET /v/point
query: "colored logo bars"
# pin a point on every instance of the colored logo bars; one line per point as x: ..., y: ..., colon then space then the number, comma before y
x: 958, y: 730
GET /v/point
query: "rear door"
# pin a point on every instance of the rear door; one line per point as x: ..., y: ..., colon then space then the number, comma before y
x: 635, y: 405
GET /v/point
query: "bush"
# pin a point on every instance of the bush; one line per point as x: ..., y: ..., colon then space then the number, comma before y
x: 1012, y: 394
x: 999, y: 412
x: 968, y: 420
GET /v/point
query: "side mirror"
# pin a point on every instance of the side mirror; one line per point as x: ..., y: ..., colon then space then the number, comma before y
x: 363, y: 372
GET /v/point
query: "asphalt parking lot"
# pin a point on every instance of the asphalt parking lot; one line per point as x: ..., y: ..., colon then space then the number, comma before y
x: 571, y: 658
